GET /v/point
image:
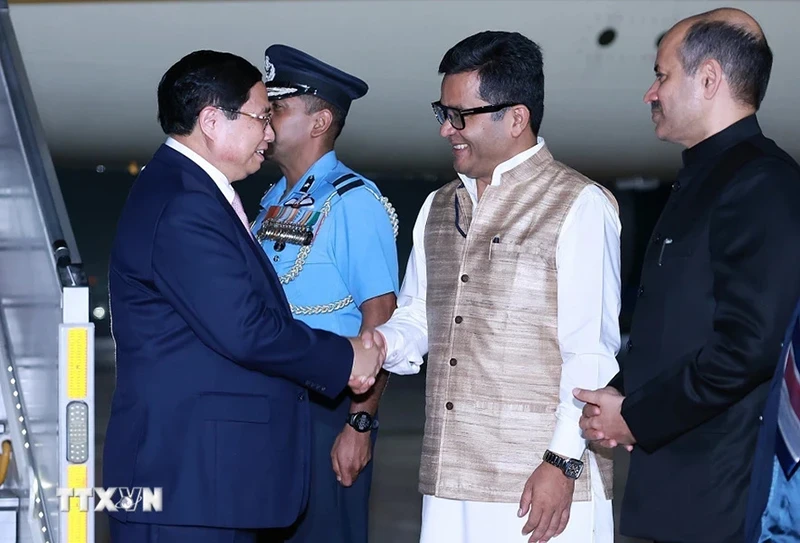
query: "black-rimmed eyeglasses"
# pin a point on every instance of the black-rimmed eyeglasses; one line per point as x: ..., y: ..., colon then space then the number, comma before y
x: 265, y: 118
x: 456, y: 116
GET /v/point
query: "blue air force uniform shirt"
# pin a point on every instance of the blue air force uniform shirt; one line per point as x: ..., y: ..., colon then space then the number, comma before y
x: 352, y: 256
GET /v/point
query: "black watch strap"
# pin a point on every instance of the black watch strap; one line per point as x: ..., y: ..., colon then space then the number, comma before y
x: 362, y: 421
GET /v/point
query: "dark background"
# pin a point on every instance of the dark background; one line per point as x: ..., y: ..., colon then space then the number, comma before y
x: 94, y: 198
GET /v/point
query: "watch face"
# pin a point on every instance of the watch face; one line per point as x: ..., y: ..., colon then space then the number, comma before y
x: 362, y: 422
x: 573, y: 469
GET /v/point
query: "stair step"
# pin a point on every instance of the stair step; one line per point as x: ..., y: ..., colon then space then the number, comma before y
x: 16, y: 302
x: 15, y: 192
x: 22, y: 244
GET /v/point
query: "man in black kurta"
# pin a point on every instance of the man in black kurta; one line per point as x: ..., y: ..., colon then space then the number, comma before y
x: 719, y: 282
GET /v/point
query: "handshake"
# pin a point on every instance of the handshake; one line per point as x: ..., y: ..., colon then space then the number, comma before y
x: 369, y: 354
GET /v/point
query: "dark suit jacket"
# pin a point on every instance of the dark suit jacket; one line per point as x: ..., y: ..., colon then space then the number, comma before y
x: 210, y: 403
x: 719, y: 283
x: 761, y: 480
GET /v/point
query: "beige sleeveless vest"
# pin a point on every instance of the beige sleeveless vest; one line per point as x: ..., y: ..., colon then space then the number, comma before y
x: 494, y: 364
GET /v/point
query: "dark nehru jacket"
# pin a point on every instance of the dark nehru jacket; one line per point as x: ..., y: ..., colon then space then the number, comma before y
x: 720, y: 279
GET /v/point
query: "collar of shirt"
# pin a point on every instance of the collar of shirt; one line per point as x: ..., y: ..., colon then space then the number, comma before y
x: 319, y: 169
x: 721, y: 141
x: 217, y: 176
x: 472, y: 185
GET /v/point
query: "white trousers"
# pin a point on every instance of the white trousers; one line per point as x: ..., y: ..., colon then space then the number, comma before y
x: 455, y: 521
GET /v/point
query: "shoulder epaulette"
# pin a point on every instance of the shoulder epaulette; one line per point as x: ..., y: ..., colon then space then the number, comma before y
x: 349, y: 186
x: 346, y: 177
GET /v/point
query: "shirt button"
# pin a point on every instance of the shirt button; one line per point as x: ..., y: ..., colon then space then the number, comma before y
x: 459, y: 320
x: 449, y: 406
x: 276, y: 258
x: 453, y: 361
x: 464, y: 278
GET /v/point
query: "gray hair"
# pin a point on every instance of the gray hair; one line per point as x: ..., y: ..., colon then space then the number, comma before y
x: 746, y: 58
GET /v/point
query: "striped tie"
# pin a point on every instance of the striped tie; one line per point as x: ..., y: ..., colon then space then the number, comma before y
x: 788, y: 440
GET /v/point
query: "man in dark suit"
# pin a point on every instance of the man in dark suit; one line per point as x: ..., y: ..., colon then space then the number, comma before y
x: 719, y: 283
x: 773, y: 507
x: 212, y: 370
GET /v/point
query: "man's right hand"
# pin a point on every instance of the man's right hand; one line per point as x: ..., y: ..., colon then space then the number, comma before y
x: 371, y: 337
x: 367, y: 362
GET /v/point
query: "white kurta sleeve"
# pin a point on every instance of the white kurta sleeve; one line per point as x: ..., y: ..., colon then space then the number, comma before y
x: 406, y: 332
x: 588, y: 261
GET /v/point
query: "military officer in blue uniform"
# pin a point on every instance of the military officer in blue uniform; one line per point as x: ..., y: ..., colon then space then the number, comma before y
x: 331, y: 236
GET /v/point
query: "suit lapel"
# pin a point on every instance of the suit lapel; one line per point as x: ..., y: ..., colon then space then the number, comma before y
x: 246, y: 238
x: 170, y: 155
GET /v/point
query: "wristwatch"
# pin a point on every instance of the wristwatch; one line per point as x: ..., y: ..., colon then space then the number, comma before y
x: 362, y: 421
x: 572, y: 468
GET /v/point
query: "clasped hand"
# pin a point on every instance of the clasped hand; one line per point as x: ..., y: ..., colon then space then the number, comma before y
x: 602, y: 420
x: 369, y: 354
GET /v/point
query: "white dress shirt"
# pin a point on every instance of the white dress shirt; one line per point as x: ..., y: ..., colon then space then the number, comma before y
x: 588, y: 276
x: 219, y: 178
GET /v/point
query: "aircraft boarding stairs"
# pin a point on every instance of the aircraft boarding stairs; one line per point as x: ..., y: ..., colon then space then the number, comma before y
x: 46, y: 339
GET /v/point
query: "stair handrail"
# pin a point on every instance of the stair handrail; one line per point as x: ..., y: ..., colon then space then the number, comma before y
x: 47, y: 192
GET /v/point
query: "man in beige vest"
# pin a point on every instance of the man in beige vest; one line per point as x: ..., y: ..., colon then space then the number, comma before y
x: 513, y: 291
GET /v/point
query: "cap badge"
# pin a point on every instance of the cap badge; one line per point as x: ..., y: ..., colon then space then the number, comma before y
x: 269, y: 69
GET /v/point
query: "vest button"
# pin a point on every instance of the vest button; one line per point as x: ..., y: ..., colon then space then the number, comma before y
x: 640, y: 292
x: 629, y: 345
x: 449, y: 406
x: 453, y: 361
x: 459, y: 319
x: 465, y: 278
x: 676, y: 186
x: 657, y: 239
x: 301, y: 396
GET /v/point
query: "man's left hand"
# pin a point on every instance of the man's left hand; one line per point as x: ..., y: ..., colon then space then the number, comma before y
x: 548, y: 495
x: 602, y: 420
x: 351, y: 453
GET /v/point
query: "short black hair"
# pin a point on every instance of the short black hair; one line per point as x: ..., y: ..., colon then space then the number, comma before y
x: 202, y: 79
x: 510, y: 68
x: 315, y: 104
x: 745, y: 57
